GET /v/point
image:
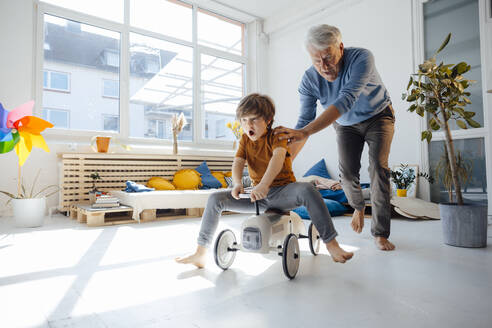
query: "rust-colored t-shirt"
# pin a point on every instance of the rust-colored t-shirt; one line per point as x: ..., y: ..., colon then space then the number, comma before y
x: 258, y: 154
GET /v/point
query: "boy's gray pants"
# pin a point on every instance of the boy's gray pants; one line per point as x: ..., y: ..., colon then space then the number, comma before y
x: 283, y: 198
x: 378, y: 133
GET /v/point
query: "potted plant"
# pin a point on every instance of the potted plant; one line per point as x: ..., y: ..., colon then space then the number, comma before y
x: 20, y: 131
x: 404, y: 177
x: 440, y: 91
x: 92, y: 194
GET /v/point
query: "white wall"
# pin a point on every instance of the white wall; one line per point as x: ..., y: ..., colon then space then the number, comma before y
x: 384, y: 27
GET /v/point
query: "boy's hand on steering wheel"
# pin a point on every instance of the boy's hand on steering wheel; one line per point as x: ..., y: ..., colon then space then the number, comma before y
x: 259, y: 192
x: 236, y: 190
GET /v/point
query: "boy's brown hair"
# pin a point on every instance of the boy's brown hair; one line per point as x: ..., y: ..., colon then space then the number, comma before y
x: 257, y: 104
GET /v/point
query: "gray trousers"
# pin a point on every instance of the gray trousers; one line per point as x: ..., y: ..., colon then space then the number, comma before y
x: 378, y: 133
x: 283, y: 198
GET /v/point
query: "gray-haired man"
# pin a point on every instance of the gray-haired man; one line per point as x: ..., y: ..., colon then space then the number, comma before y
x: 356, y: 102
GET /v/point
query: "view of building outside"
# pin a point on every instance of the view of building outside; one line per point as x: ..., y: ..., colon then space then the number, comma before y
x: 81, y: 73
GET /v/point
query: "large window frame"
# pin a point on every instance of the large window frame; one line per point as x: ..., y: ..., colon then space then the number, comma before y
x: 199, y: 140
x: 482, y: 132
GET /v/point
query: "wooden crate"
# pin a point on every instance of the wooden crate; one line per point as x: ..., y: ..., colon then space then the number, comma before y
x: 116, y: 169
x: 100, y: 217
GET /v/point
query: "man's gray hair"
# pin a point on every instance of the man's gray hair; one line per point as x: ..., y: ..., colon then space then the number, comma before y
x: 322, y: 36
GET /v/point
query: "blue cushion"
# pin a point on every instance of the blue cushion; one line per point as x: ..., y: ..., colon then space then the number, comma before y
x: 318, y: 169
x: 337, y: 195
x: 334, y: 207
x: 208, y: 180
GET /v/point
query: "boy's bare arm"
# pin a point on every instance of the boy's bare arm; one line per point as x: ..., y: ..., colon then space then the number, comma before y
x: 237, y: 170
x: 274, y: 166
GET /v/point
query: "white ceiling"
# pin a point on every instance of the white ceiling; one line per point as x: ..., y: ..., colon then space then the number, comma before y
x: 248, y: 10
x: 260, y: 8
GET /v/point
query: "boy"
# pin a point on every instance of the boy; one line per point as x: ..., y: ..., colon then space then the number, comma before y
x: 275, y: 187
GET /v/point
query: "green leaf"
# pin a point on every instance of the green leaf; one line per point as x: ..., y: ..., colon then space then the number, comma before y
x: 472, y: 123
x: 469, y: 114
x: 434, y: 125
x: 461, y: 124
x: 444, y: 44
x: 403, y: 96
x: 409, y: 83
x: 420, y: 110
x: 461, y: 68
x: 412, y: 108
x: 467, y: 100
x: 412, y: 97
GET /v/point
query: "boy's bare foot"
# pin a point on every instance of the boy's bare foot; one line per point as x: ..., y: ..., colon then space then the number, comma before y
x: 197, y: 259
x: 337, y: 253
x: 384, y: 244
x: 358, y: 220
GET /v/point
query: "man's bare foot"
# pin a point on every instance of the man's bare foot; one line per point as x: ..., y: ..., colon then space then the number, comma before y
x: 384, y: 244
x: 197, y: 259
x: 337, y: 253
x: 358, y: 220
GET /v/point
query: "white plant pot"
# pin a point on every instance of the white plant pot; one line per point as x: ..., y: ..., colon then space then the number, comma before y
x: 29, y: 212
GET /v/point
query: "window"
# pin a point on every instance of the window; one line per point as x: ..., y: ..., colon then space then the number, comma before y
x: 161, y: 83
x: 87, y: 56
x: 111, y: 88
x: 57, y: 81
x: 461, y: 18
x: 222, y: 88
x: 111, y: 123
x: 162, y: 69
x: 58, y: 117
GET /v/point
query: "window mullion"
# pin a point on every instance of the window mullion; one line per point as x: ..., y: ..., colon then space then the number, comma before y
x: 125, y: 75
x: 198, y: 123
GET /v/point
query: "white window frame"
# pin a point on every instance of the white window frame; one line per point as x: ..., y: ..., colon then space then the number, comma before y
x: 49, y: 87
x: 125, y: 29
x: 110, y: 96
x: 483, y: 132
x: 51, y: 109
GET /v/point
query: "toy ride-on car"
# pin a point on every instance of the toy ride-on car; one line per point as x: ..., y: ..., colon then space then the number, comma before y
x: 263, y: 233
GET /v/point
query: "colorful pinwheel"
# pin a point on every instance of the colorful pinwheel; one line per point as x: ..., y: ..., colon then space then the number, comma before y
x: 22, y: 131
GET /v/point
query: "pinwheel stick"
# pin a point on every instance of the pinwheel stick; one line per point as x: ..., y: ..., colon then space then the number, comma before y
x: 19, y: 182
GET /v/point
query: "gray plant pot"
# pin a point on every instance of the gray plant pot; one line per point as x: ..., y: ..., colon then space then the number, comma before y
x: 464, y: 225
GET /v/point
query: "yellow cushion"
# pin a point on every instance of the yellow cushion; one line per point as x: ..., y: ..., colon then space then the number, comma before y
x: 187, y: 179
x: 160, y: 184
x: 221, y: 177
x: 228, y: 174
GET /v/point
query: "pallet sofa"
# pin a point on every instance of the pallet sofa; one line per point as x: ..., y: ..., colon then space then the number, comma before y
x: 116, y: 169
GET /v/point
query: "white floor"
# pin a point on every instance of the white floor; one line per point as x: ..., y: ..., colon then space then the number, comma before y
x: 68, y: 275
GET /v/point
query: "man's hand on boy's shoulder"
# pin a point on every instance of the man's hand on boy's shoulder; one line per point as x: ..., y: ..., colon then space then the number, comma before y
x: 259, y: 192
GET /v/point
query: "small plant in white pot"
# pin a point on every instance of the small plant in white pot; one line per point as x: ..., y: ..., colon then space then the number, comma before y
x: 440, y: 91
x: 20, y: 131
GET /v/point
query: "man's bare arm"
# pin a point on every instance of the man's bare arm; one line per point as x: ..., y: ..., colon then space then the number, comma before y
x: 329, y: 116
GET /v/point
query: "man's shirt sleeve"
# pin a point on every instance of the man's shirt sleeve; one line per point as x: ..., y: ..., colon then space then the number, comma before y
x: 308, y: 103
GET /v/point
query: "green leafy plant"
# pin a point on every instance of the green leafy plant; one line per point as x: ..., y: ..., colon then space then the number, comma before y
x: 24, y: 194
x: 440, y: 91
x: 404, y: 176
x: 95, y: 176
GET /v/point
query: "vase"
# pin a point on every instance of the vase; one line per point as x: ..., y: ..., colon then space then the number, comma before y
x: 464, y: 225
x: 29, y: 212
x: 401, y: 192
x: 234, y: 145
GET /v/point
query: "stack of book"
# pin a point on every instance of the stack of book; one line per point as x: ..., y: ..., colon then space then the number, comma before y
x: 105, y: 201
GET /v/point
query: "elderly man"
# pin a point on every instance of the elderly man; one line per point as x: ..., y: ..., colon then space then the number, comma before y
x: 356, y: 102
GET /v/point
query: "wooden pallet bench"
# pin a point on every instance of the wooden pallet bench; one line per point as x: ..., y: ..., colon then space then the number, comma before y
x: 84, y: 213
